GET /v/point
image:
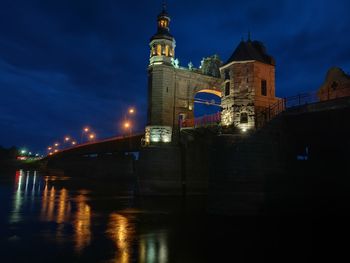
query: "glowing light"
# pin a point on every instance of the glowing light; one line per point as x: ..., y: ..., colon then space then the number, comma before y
x: 92, y: 136
x: 23, y: 151
x: 86, y: 129
x: 127, y: 125
x: 57, y: 144
x: 67, y: 139
x: 55, y: 150
x: 131, y: 110
x: 50, y: 153
x: 244, y: 129
x: 74, y: 142
x: 49, y: 148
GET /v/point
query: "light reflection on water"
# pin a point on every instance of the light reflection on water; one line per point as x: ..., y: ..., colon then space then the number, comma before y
x: 70, y: 216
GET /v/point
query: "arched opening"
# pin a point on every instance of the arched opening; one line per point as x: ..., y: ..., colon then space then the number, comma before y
x: 206, y: 102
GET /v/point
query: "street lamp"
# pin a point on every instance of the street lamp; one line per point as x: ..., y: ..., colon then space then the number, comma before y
x: 132, y: 110
x: 85, y: 130
x: 74, y: 142
x: 92, y: 136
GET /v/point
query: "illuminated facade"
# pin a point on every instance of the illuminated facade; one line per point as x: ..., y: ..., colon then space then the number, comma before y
x: 245, y: 83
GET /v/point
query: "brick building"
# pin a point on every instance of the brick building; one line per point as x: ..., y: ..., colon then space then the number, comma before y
x: 245, y: 84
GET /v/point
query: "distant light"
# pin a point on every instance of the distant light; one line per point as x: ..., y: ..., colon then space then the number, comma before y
x: 23, y: 151
x: 37, y: 155
x: 86, y: 129
x: 50, y: 153
x: 30, y: 153
x: 74, y: 142
x: 56, y: 144
x: 56, y: 151
x: 131, y: 110
x: 244, y: 129
x: 92, y: 136
x: 127, y: 125
x: 67, y: 139
x: 49, y: 148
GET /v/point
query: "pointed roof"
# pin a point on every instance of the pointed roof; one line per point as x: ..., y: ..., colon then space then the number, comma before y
x: 163, y: 32
x: 251, y: 50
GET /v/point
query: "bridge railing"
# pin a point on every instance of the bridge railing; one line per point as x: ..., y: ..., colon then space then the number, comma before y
x: 204, y: 121
x: 267, y: 114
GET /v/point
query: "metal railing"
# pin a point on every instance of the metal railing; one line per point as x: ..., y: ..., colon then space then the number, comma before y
x: 267, y: 114
x: 204, y: 121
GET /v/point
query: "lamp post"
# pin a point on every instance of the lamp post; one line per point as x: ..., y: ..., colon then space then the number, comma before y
x: 128, y: 126
x: 92, y: 136
x: 84, y: 131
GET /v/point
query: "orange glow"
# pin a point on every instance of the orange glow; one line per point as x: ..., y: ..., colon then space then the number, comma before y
x: 131, y: 110
x: 127, y: 125
x: 86, y: 129
x: 92, y: 136
x: 81, y: 224
x: 50, y: 153
x: 211, y: 91
x: 74, y: 143
x: 56, y: 151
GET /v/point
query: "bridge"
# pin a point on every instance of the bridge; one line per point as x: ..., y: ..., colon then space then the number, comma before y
x: 298, y: 149
x: 128, y: 144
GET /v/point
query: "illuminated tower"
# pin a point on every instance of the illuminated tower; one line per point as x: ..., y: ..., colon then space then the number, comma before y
x: 161, y: 72
x: 162, y: 43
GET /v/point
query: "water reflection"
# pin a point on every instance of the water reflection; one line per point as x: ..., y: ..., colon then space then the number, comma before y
x: 26, y: 185
x: 122, y: 232
x: 153, y: 248
x: 82, y: 223
x: 46, y: 199
x: 57, y: 207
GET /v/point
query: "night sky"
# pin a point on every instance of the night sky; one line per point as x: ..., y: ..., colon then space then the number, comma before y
x: 70, y: 63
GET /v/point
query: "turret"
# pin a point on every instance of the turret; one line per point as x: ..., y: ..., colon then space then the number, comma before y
x: 162, y: 44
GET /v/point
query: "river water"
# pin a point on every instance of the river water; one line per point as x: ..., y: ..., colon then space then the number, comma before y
x: 60, y: 218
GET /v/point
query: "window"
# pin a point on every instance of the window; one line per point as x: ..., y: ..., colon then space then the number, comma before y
x: 227, y: 74
x: 159, y: 50
x: 244, y: 117
x: 163, y: 23
x: 263, y: 88
x: 227, y: 88
x: 167, y: 50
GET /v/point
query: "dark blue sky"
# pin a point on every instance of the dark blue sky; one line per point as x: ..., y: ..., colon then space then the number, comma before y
x: 65, y: 64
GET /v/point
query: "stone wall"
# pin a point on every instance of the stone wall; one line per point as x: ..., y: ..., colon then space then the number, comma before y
x: 172, y: 91
x: 296, y: 164
x: 246, y: 96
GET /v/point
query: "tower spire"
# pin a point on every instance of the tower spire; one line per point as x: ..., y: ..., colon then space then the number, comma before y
x: 164, y: 6
x: 162, y: 43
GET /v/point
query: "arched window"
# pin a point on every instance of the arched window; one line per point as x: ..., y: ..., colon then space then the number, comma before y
x: 227, y: 88
x: 263, y: 87
x: 167, y: 50
x: 244, y: 117
x: 159, y: 50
